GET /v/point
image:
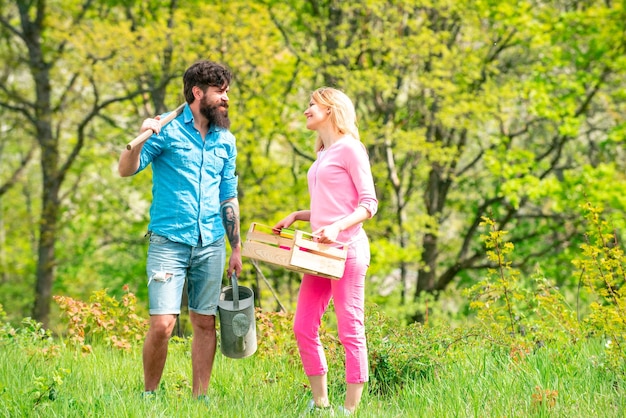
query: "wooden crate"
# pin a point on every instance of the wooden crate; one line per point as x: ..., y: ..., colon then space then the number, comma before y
x: 297, y: 251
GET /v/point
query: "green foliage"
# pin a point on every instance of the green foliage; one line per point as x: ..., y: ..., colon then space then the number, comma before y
x: 274, y: 335
x: 400, y: 354
x: 30, y: 337
x: 415, y: 373
x: 46, y: 388
x: 18, y: 214
x: 500, y: 294
x: 521, y: 315
x: 100, y: 319
x: 528, y: 316
x: 603, y: 277
x: 462, y: 105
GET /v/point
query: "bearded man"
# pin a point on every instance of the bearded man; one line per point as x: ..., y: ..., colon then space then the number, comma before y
x: 194, y: 181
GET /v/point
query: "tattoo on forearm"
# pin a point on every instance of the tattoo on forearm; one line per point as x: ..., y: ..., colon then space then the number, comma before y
x: 230, y: 219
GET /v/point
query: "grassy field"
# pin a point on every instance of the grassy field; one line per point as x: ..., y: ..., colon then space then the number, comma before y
x: 54, y: 380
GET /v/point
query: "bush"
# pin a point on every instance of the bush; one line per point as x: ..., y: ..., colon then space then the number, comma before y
x: 103, y: 317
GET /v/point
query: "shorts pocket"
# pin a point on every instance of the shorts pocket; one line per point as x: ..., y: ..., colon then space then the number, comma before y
x: 158, y: 239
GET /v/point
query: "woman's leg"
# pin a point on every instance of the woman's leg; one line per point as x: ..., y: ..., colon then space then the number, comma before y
x: 313, y: 299
x: 349, y: 302
x: 353, y: 396
x: 319, y: 390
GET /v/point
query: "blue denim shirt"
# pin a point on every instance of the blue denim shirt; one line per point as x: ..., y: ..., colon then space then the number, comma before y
x: 190, y: 179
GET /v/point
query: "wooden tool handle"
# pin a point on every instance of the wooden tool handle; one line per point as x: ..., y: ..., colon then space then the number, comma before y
x: 143, y: 137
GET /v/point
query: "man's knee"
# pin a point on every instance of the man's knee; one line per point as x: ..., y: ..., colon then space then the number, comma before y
x: 161, y: 326
x: 202, y: 322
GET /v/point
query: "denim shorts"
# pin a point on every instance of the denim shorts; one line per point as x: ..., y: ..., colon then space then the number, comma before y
x: 170, y: 263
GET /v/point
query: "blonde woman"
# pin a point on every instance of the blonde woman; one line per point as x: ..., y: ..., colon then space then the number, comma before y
x: 342, y: 194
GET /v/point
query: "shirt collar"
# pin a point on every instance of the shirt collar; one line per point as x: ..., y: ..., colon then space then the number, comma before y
x: 187, y: 115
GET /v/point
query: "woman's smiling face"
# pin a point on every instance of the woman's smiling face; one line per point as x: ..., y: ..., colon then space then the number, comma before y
x: 316, y: 115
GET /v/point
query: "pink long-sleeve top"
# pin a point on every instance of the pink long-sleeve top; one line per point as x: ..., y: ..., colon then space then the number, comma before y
x: 340, y: 180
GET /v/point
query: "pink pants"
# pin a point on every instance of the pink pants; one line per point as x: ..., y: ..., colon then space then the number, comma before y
x: 348, y: 294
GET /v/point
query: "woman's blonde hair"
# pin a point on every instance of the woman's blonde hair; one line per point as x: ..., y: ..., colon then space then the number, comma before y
x: 342, y: 113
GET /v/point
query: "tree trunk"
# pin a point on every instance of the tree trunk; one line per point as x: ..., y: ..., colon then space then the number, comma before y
x: 33, y: 24
x: 48, y: 223
x: 427, y: 274
x: 47, y: 258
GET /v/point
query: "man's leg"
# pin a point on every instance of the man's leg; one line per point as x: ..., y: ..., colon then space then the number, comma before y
x: 203, y: 349
x: 166, y: 268
x: 204, y: 289
x: 155, y: 349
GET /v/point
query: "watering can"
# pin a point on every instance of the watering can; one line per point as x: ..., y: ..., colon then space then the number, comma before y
x: 237, y: 321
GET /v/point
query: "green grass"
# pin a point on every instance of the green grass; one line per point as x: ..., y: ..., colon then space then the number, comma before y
x: 480, y: 382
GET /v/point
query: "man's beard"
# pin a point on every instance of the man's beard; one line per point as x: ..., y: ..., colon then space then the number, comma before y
x: 215, y: 115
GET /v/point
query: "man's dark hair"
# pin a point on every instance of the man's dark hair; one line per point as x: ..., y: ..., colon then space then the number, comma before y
x: 204, y: 74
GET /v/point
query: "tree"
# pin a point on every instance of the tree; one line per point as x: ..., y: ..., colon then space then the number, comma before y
x: 57, y: 85
x: 76, y: 86
x: 471, y: 110
x: 468, y: 109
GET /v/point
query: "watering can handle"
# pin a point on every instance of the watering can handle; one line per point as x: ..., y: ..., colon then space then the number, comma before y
x: 233, y: 279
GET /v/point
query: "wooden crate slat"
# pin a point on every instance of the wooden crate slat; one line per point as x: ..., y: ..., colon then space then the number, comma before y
x: 314, y: 262
x: 269, y: 239
x: 266, y: 252
x: 302, y: 241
